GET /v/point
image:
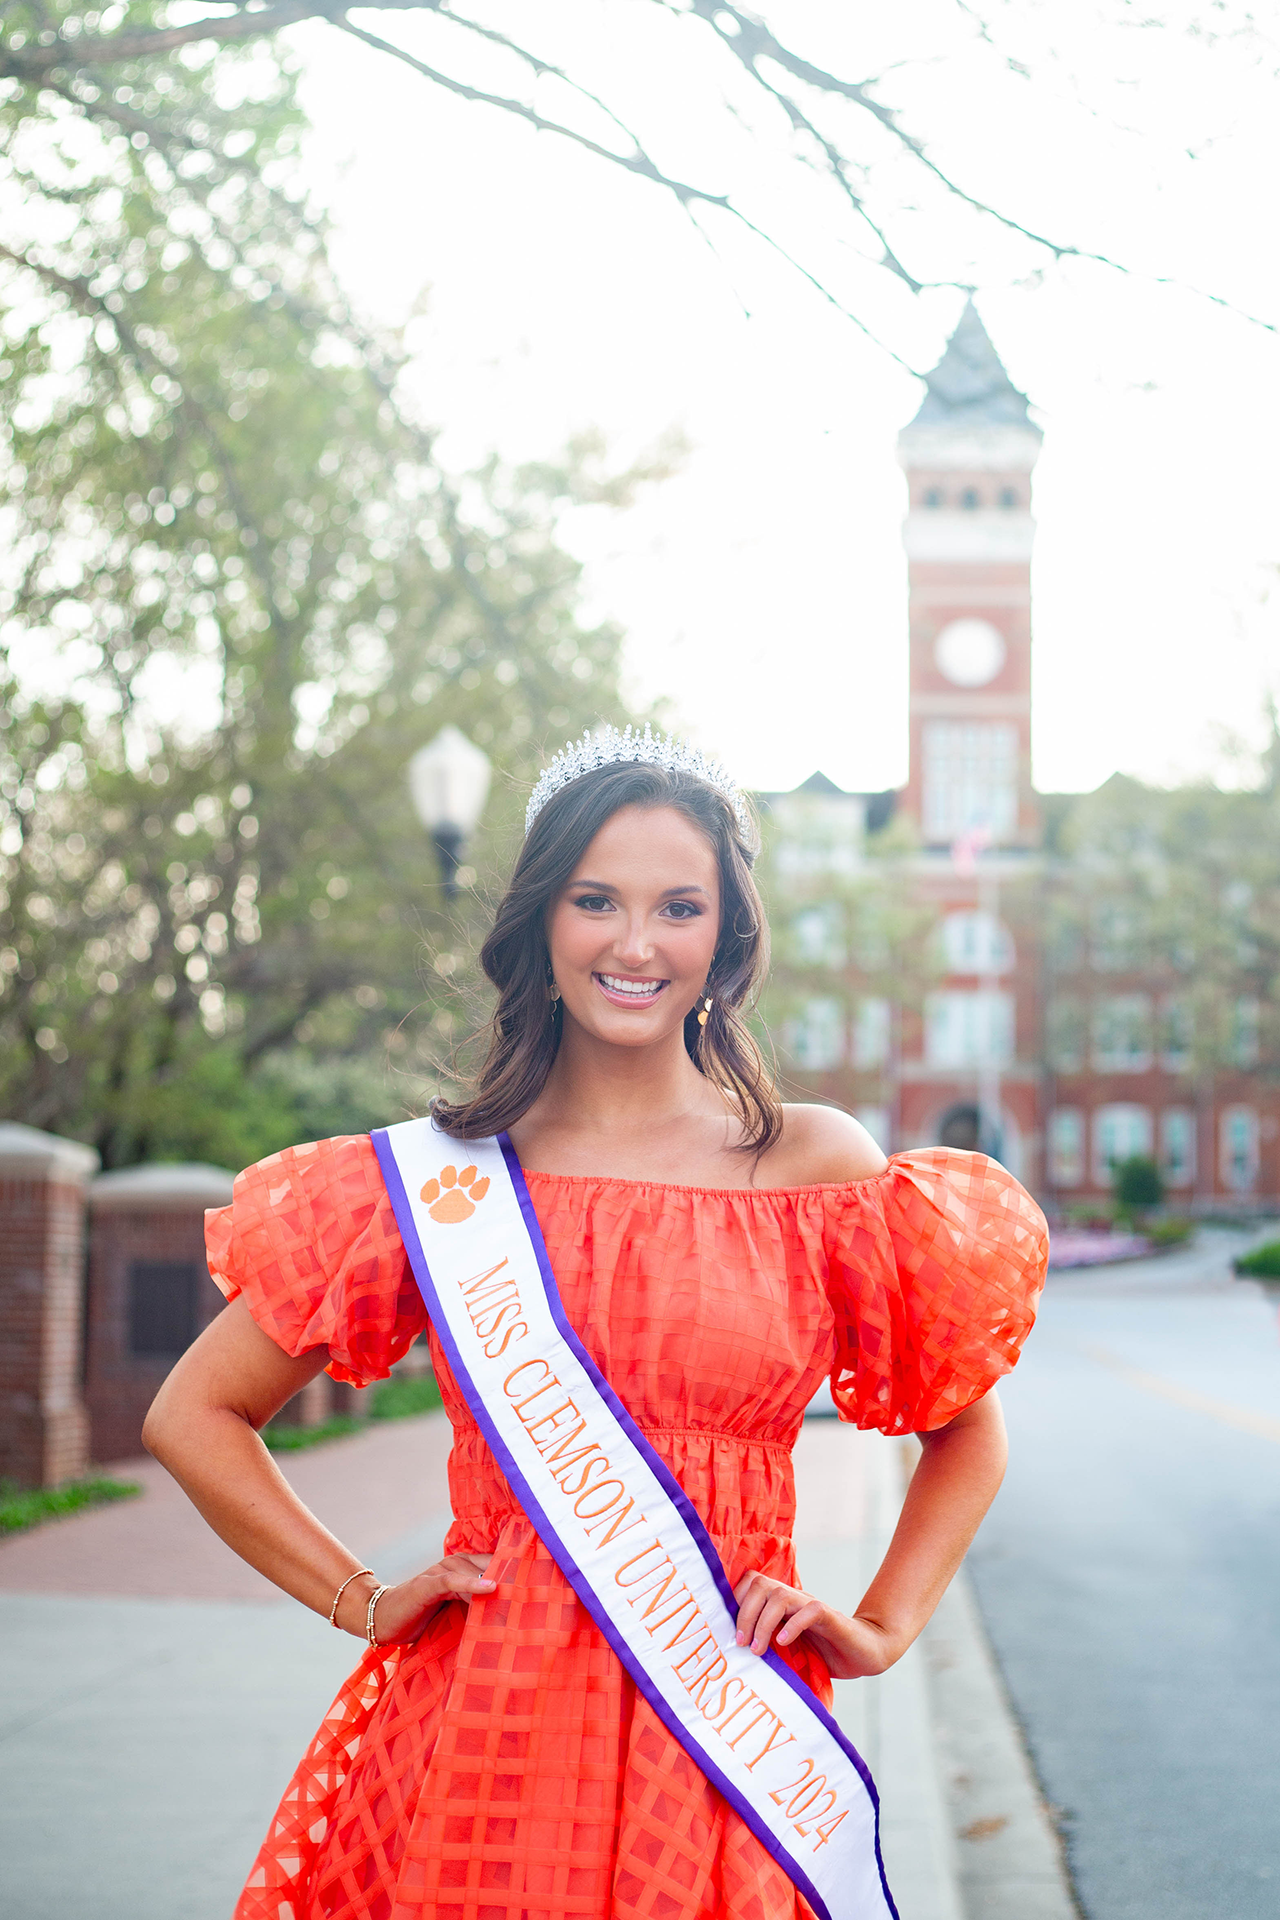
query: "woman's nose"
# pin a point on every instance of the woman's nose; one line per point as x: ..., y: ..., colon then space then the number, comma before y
x: 633, y: 946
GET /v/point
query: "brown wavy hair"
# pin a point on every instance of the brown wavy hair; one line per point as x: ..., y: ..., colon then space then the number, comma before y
x: 525, y: 1029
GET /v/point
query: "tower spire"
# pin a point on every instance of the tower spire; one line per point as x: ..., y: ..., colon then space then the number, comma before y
x: 969, y: 386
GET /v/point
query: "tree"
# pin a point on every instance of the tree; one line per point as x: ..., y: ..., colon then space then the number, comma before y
x: 844, y: 134
x: 209, y: 931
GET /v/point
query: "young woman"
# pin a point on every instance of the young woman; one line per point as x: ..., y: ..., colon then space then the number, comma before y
x: 718, y: 1254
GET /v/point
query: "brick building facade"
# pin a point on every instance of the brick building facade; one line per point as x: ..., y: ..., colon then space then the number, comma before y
x: 961, y: 1030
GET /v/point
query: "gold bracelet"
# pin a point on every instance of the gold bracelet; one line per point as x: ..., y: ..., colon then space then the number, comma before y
x: 333, y: 1611
x: 374, y: 1598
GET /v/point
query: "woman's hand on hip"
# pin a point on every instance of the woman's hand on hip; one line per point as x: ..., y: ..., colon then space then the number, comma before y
x: 851, y: 1647
x: 404, y: 1610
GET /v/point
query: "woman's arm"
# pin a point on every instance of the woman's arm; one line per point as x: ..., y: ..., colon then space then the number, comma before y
x: 204, y: 1426
x: 957, y: 1478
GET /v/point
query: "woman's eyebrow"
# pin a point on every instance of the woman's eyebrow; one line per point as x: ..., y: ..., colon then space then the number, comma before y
x: 604, y: 886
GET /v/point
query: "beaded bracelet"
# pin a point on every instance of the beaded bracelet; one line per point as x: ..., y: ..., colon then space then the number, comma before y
x: 333, y: 1611
x: 374, y: 1598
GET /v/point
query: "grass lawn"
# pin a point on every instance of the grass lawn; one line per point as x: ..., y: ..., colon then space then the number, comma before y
x: 396, y: 1399
x: 23, y: 1507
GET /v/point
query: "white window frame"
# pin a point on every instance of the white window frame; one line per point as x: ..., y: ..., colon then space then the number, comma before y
x: 1178, y: 1147
x: 1239, y: 1148
x: 872, y: 1032
x: 970, y: 778
x: 1121, y: 1130
x: 816, y: 1036
x: 1129, y: 1015
x: 974, y: 941
x: 969, y: 1027
x: 1068, y: 1159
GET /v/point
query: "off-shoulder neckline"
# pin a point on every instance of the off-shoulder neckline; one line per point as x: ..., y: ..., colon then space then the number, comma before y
x: 670, y: 1186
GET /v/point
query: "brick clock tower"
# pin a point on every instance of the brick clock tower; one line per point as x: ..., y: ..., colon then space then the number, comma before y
x: 968, y: 1074
x: 968, y: 456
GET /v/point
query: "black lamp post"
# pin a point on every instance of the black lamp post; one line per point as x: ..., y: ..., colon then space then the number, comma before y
x: 449, y: 782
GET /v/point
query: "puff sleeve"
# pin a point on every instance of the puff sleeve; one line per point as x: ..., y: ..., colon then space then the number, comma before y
x: 311, y: 1242
x: 934, y: 1275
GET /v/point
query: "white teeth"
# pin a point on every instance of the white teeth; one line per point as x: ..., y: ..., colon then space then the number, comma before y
x: 638, y: 989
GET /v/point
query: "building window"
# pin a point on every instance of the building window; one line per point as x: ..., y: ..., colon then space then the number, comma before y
x: 819, y: 936
x: 1009, y: 497
x: 1067, y: 1033
x: 976, y: 943
x: 1115, y: 939
x: 162, y: 1307
x: 933, y: 497
x: 1177, y: 1032
x: 1244, y: 1032
x: 871, y: 1029
x: 1238, y: 1147
x: 1122, y: 1033
x: 969, y: 1029
x: 1178, y: 1146
x: 816, y: 1039
x: 1066, y: 1147
x: 1120, y: 1133
x: 970, y: 778
x: 969, y: 499
x: 876, y: 1122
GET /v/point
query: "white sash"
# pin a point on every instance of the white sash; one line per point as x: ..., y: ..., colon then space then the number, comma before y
x: 621, y: 1528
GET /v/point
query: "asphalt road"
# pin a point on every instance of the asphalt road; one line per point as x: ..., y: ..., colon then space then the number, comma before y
x: 1129, y: 1576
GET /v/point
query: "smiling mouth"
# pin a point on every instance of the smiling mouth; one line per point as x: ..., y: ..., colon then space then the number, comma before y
x: 628, y: 993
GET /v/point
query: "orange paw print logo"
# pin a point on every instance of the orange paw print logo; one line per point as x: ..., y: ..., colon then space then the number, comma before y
x: 454, y: 1196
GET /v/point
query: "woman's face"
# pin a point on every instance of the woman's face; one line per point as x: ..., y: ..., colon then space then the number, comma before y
x: 633, y: 934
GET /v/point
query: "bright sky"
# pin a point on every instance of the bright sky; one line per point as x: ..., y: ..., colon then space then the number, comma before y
x: 763, y: 590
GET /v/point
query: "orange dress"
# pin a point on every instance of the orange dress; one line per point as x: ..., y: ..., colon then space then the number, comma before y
x: 504, y: 1767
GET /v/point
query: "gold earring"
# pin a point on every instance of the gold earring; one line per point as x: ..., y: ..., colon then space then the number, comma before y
x: 704, y: 1016
x: 555, y: 995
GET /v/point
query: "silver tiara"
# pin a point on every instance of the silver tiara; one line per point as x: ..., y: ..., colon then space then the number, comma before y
x: 607, y: 748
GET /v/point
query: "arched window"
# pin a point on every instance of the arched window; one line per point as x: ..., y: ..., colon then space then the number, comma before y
x: 1009, y: 497
x: 969, y: 499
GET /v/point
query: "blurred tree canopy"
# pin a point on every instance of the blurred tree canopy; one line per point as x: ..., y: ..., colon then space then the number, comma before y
x: 1177, y: 890
x: 212, y: 502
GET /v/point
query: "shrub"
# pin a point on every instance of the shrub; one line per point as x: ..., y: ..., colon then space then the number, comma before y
x: 1263, y: 1262
x: 1137, y: 1184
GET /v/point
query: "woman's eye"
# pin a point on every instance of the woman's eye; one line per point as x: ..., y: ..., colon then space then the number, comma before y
x: 681, y: 910
x: 594, y: 902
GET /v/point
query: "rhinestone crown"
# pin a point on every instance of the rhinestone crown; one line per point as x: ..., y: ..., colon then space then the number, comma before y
x: 607, y: 747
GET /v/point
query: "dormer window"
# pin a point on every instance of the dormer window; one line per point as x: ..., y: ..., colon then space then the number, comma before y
x: 1009, y: 497
x: 969, y: 499
x: 933, y: 497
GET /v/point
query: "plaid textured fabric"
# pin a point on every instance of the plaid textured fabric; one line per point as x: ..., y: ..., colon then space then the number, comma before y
x: 504, y: 1767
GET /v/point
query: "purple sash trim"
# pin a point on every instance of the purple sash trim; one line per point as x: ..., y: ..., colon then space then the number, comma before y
x: 560, y: 1552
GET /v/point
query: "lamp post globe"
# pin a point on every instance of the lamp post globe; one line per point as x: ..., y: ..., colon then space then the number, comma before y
x: 449, y: 784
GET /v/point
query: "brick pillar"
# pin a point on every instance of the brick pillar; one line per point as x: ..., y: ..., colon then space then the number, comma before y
x: 149, y: 1290
x: 44, y: 1429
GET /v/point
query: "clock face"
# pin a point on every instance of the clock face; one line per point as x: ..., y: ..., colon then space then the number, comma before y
x: 969, y: 652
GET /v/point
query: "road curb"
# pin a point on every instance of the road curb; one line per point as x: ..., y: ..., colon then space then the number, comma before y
x: 1010, y: 1863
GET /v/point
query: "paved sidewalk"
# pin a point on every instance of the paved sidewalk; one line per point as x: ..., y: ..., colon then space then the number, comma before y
x: 155, y: 1694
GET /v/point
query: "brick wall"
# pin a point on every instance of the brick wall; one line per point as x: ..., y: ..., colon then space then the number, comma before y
x: 43, y: 1421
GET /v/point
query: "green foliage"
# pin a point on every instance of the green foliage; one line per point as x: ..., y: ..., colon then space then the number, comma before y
x: 399, y: 1398
x: 1180, y: 888
x: 1168, y: 1233
x: 226, y: 932
x: 293, y: 1439
x: 1136, y: 1184
x: 21, y: 1508
x: 1263, y: 1263
x: 404, y: 1395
